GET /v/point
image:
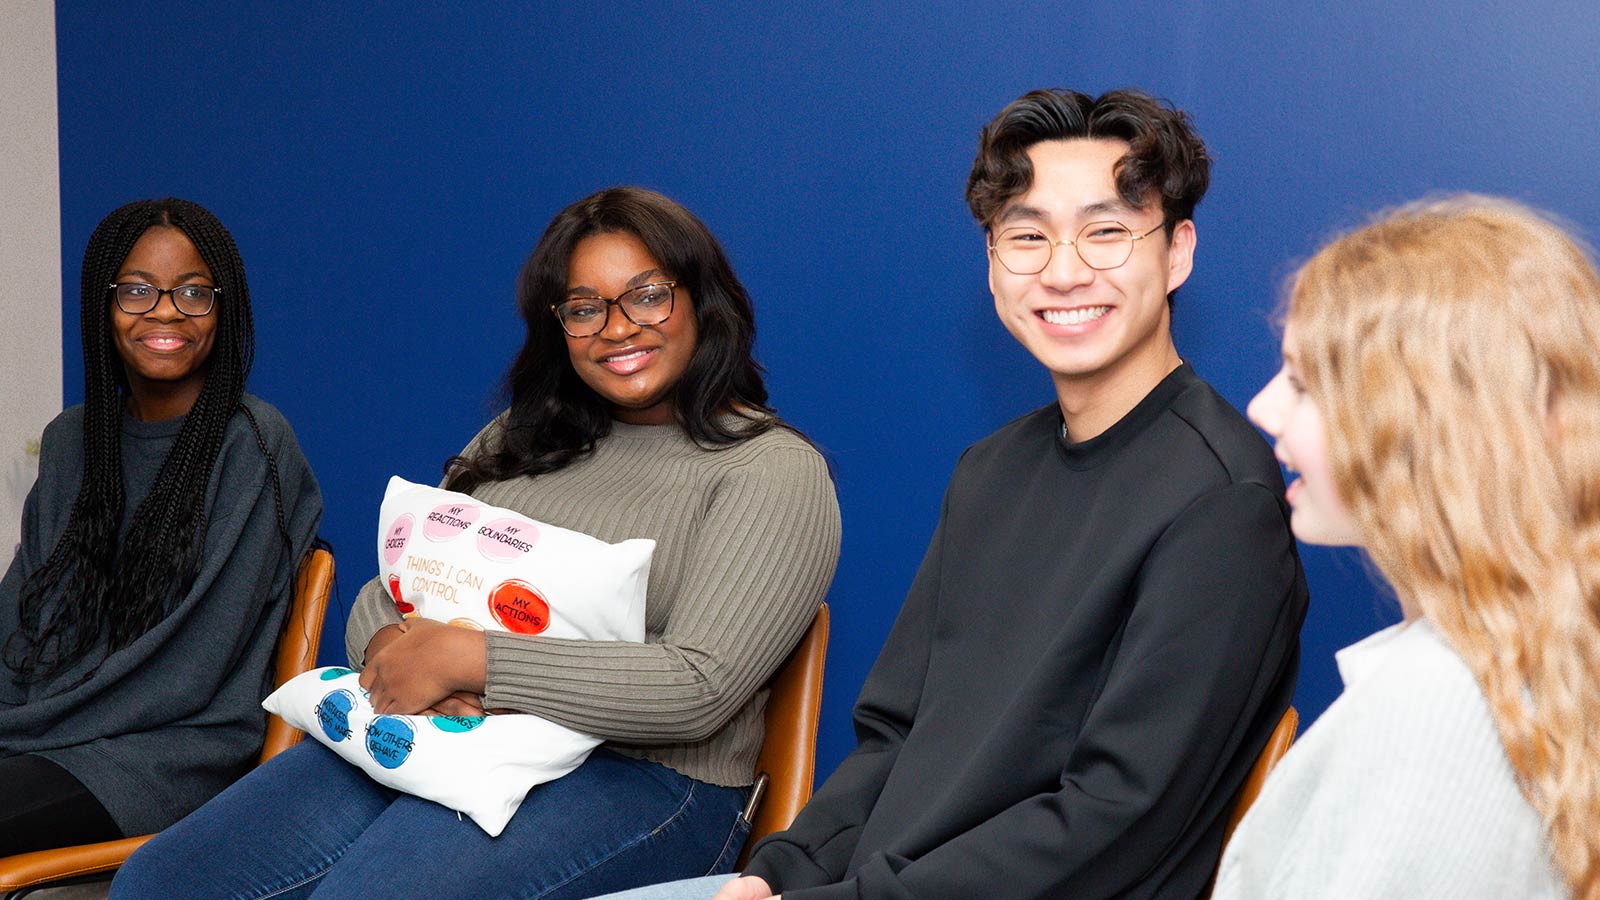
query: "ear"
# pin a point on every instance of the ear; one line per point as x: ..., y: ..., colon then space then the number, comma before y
x: 988, y: 256
x: 1180, y: 254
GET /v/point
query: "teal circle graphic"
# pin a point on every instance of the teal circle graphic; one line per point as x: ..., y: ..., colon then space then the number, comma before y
x: 389, y: 741
x: 336, y: 672
x: 456, y: 724
x: 333, y: 714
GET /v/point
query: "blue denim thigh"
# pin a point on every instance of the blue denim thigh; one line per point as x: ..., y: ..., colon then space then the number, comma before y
x: 272, y: 834
x: 613, y: 823
x: 731, y: 847
x: 692, y: 889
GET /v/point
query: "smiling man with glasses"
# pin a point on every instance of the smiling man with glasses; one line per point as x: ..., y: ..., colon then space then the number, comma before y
x: 1104, y: 631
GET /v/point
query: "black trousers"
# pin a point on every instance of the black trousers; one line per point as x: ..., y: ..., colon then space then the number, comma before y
x: 43, y: 807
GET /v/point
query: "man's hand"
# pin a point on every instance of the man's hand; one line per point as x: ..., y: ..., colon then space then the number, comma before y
x: 422, y: 665
x: 746, y: 887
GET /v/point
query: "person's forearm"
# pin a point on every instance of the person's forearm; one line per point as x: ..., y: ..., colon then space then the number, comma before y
x: 373, y: 611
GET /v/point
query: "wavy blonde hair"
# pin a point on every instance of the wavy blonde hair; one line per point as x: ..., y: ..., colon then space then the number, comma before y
x: 1453, y: 348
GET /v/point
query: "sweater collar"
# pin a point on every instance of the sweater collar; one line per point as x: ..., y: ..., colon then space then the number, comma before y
x: 165, y: 428
x: 1103, y: 446
x: 1365, y: 656
x: 669, y: 433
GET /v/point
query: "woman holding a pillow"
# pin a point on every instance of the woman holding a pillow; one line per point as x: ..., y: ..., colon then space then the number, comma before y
x: 637, y: 411
x: 139, y: 617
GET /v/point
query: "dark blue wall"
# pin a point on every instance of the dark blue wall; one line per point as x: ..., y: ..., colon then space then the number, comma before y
x: 385, y: 175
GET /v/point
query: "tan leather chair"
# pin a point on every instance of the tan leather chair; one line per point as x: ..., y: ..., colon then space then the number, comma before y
x: 787, y: 765
x: 1277, y: 745
x: 297, y: 653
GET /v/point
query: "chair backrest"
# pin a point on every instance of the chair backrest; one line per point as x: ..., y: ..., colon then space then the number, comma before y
x: 302, y: 635
x: 1277, y: 745
x: 788, y: 759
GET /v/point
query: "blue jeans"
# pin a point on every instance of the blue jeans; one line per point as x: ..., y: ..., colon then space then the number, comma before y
x: 308, y: 824
x: 692, y: 889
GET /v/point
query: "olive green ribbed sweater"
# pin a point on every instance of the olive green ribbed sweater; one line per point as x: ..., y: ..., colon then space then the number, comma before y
x: 746, y: 542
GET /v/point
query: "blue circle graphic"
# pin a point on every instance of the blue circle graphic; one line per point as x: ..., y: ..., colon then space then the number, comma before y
x: 333, y: 714
x: 456, y: 724
x: 389, y: 740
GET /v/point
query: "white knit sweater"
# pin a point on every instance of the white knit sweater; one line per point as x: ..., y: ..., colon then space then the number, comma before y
x: 1400, y: 790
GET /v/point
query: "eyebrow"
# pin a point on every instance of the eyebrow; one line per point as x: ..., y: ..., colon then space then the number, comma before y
x: 140, y: 273
x: 1098, y: 208
x: 1102, y: 207
x: 643, y: 278
x: 1011, y: 213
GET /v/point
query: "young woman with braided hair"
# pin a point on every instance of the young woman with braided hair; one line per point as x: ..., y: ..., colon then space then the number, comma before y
x: 1440, y: 398
x: 159, y: 545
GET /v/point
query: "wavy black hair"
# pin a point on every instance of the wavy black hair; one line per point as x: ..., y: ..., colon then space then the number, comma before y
x: 95, y: 591
x: 556, y: 418
x: 1166, y: 157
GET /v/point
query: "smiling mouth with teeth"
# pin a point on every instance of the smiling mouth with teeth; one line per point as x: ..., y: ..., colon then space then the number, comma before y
x: 1076, y: 316
x: 163, y: 343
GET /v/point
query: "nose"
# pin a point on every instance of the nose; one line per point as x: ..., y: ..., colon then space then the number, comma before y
x: 1265, y: 410
x: 1066, y: 269
x: 618, y: 326
x: 170, y: 300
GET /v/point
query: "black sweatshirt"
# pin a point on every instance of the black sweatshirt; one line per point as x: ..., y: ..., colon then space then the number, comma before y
x: 1098, y: 643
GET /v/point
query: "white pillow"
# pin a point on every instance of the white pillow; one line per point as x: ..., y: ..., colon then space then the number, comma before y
x: 481, y: 766
x: 451, y: 558
x: 475, y: 566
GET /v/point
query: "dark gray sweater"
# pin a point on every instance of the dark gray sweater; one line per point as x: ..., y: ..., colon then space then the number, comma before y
x: 165, y: 723
x: 1097, y: 645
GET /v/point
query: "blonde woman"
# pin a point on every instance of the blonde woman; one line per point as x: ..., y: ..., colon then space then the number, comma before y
x: 1440, y: 401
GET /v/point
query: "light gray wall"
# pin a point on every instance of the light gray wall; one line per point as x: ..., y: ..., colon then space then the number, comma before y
x: 30, y: 251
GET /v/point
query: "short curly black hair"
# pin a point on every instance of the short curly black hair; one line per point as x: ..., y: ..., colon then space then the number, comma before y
x: 1165, y: 158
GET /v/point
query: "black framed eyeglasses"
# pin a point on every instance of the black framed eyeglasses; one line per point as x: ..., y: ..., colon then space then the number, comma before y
x: 137, y: 298
x: 1025, y: 250
x: 647, y: 304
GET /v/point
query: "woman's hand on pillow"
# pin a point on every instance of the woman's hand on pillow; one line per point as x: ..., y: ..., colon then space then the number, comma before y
x: 459, y: 703
x: 422, y: 665
x: 381, y: 639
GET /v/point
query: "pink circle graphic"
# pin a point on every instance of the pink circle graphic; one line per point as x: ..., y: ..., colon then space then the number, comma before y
x: 396, y: 538
x: 449, y: 520
x: 507, y: 539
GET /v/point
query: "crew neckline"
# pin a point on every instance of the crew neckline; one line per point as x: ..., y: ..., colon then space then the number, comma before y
x: 138, y: 428
x: 1092, y: 452
x: 664, y: 431
x: 1359, y: 660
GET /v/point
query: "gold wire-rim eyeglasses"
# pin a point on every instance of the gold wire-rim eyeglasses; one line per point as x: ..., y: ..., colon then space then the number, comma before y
x: 1123, y: 243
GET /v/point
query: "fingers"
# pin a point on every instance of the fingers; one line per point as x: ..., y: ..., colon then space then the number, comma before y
x: 459, y: 704
x: 745, y: 887
x: 419, y: 665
